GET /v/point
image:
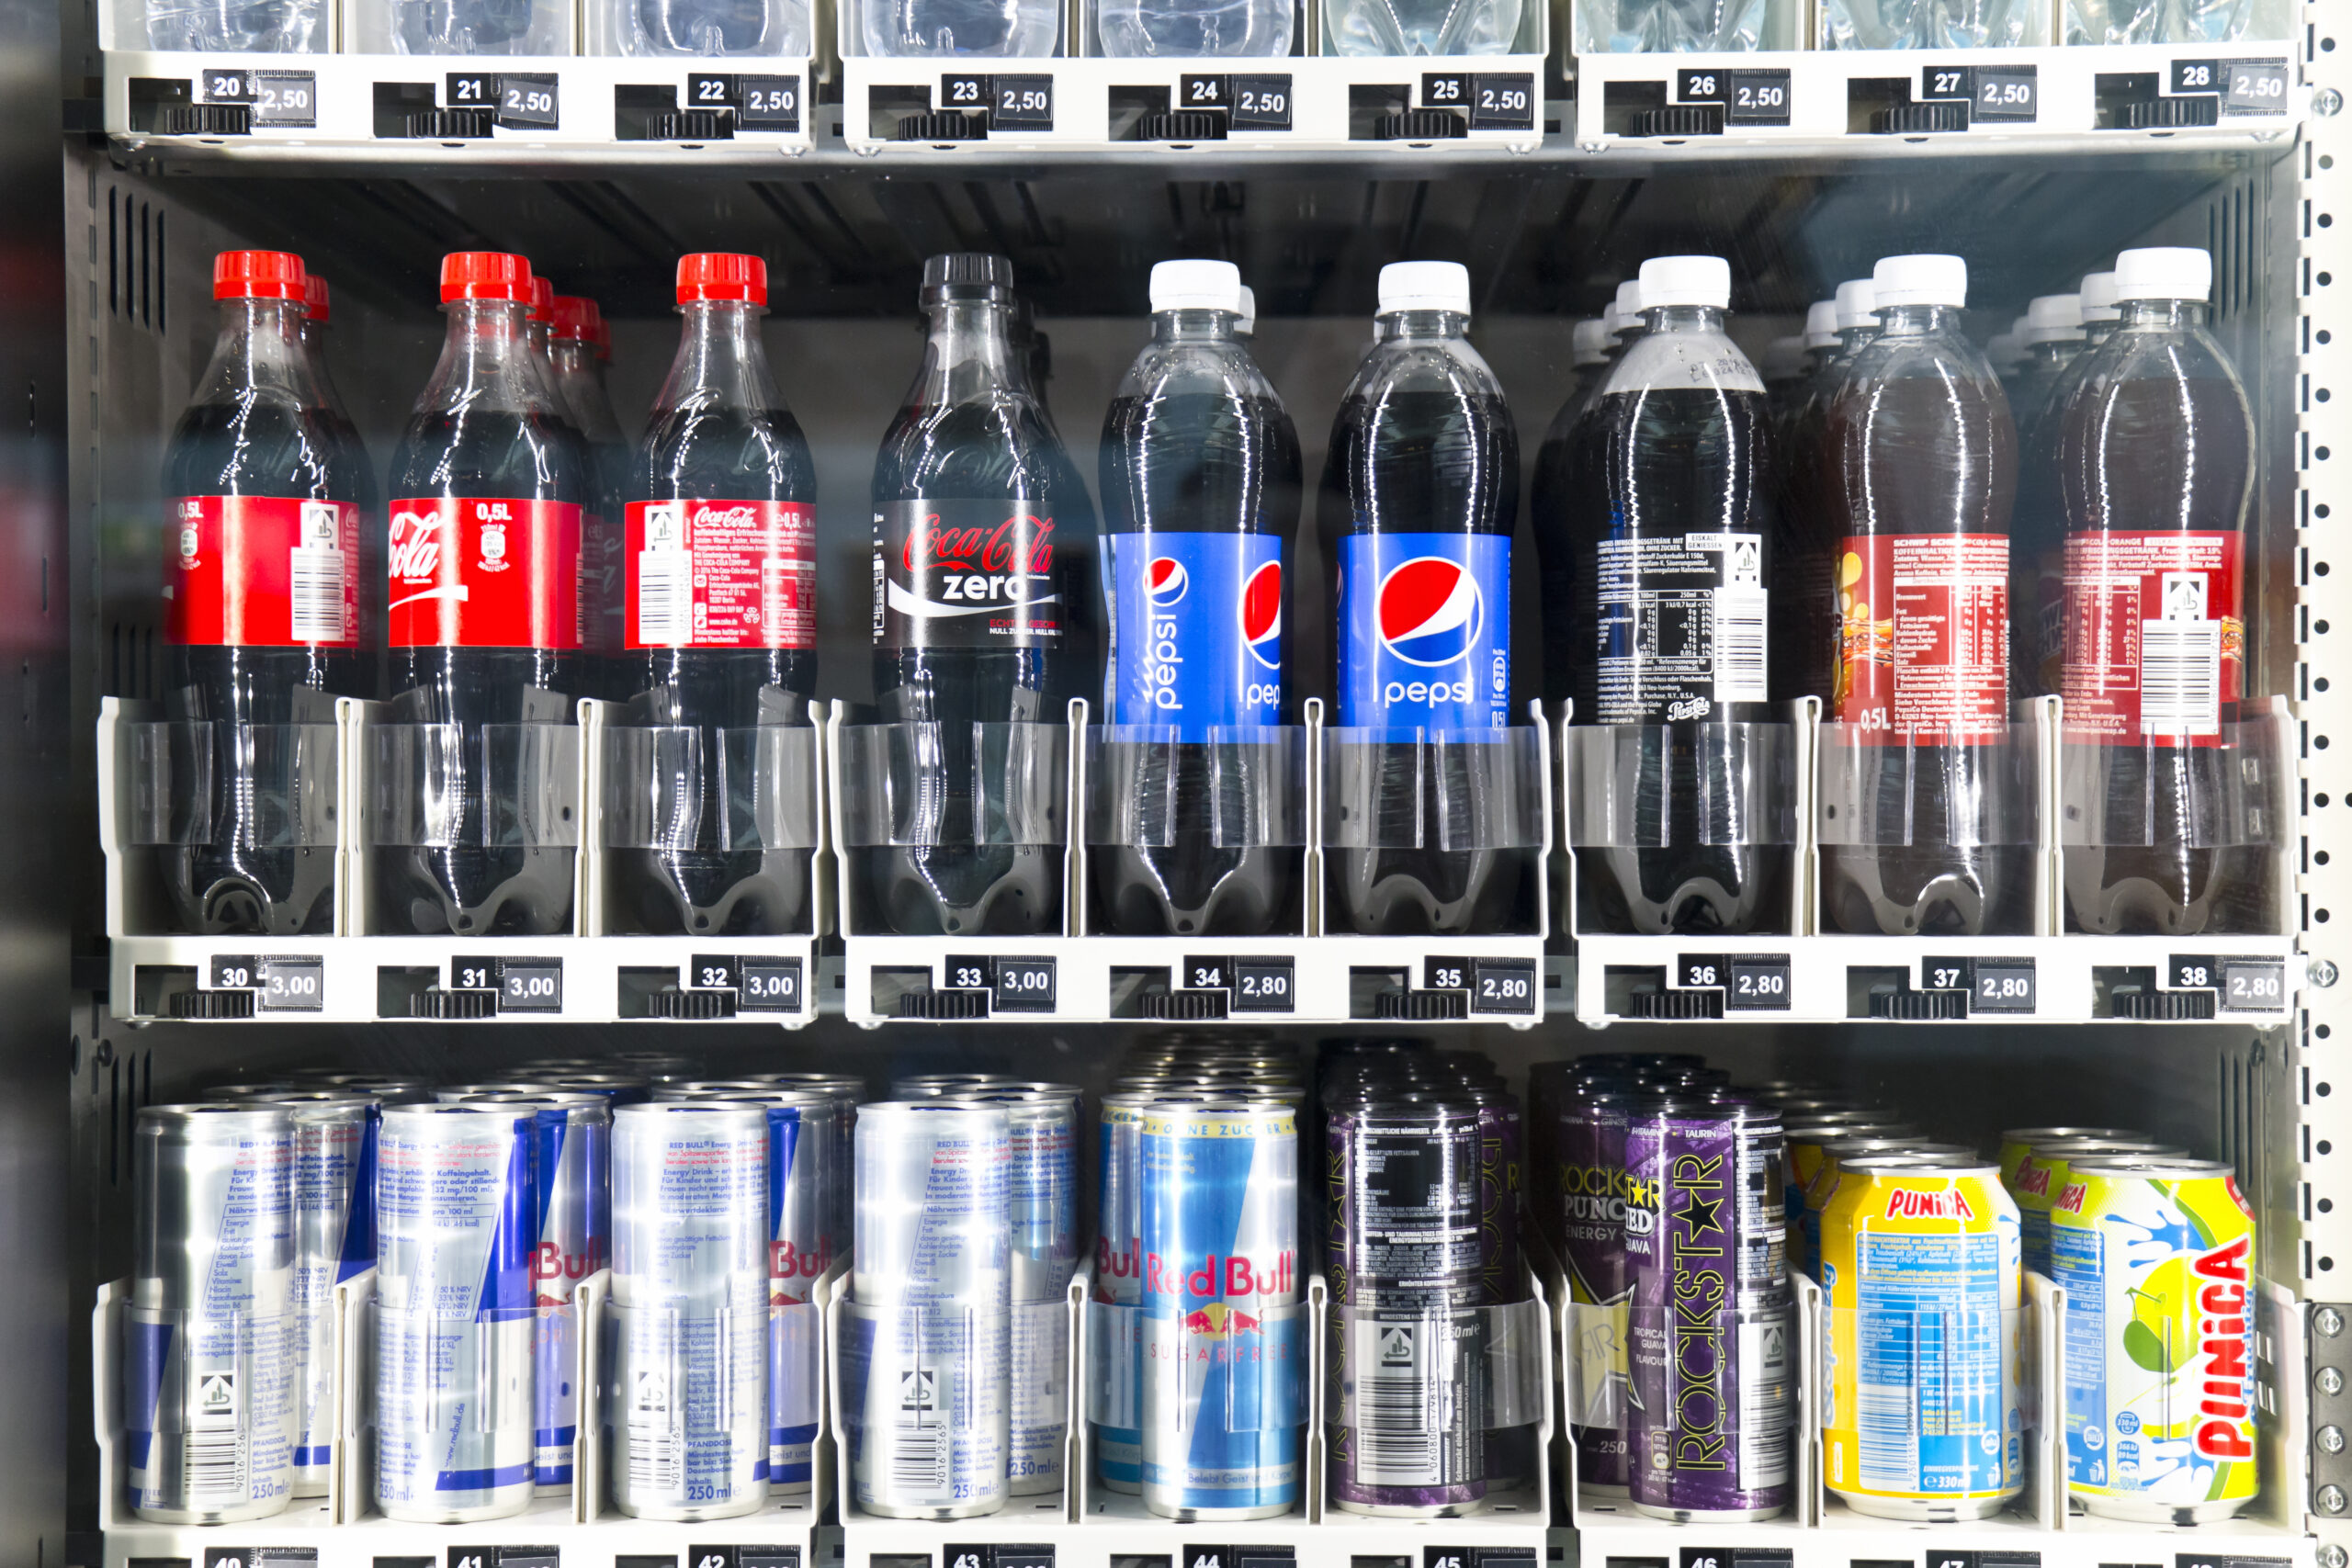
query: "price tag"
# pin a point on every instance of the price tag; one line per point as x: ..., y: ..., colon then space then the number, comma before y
x: 2255, y: 86
x: 710, y: 90
x: 767, y: 103
x: 743, y: 1556
x: 713, y: 972
x: 2010, y: 94
x: 2253, y: 984
x: 530, y: 985
x: 1020, y: 103
x: 292, y: 983
x: 1023, y: 984
x: 1504, y: 986
x: 527, y: 101
x: 1758, y: 983
x: 1204, y: 91
x: 1261, y: 103
x: 232, y: 972
x: 1206, y: 974
x: 1446, y: 975
x: 1265, y: 985
x: 1445, y: 89
x: 1504, y: 101
x: 471, y: 90
x: 2199, y: 76
x: 260, y: 1556
x: 964, y: 90
x: 2002, y: 985
x: 1758, y: 98
x: 771, y: 984
x: 226, y: 85
x: 2191, y: 972
x: 287, y: 98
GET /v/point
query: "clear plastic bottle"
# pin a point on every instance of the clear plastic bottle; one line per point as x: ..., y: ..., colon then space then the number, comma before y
x: 245, y: 26
x: 1200, y: 477
x: 1671, y: 27
x: 1186, y: 30
x: 712, y: 28
x: 1933, y: 24
x: 1801, y: 549
x: 318, y: 314
x: 1671, y: 496
x: 1923, y: 455
x: 479, y: 27
x: 2155, y: 466
x: 2053, y: 340
x: 960, y: 30
x: 575, y: 352
x: 1420, y: 28
x: 2053, y: 336
x: 1589, y: 344
x: 2038, y: 638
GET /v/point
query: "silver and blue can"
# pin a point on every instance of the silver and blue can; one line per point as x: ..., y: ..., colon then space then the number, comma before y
x: 927, y: 1343
x: 1225, y: 1348
x: 620, y: 1088
x: 1118, y: 1284
x: 685, y: 1416
x: 455, y: 1221
x: 209, y: 1344
x: 384, y: 1089
x: 457, y: 1093
x: 571, y: 1140
x: 334, y: 1240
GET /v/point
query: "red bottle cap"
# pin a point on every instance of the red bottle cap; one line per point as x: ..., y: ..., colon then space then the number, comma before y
x: 717, y: 274
x: 542, y: 300
x: 577, y: 320
x: 485, y: 274
x: 316, y: 305
x: 603, y: 337
x: 257, y: 274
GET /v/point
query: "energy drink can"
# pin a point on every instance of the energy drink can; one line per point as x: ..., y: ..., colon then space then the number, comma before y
x: 2039, y: 1175
x: 334, y: 1240
x: 1118, y: 1282
x: 458, y: 1093
x: 1589, y: 1171
x: 1224, y: 1351
x: 686, y: 1399
x: 209, y: 1344
x: 1711, y: 1402
x: 1921, y: 1264
x: 455, y: 1225
x: 2158, y: 1256
x: 619, y: 1088
x: 384, y: 1089
x: 927, y: 1350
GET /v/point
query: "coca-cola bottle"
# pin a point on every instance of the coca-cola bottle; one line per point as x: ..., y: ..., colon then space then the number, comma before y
x: 264, y: 608
x: 576, y: 350
x: 487, y: 489
x: 983, y: 544
x: 317, y: 317
x: 718, y: 567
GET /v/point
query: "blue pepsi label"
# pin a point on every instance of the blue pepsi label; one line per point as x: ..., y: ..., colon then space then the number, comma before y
x: 1424, y: 631
x: 1196, y: 631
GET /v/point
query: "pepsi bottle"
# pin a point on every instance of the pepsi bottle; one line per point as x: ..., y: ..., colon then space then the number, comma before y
x: 264, y: 609
x: 576, y: 352
x: 719, y: 573
x: 1420, y: 489
x: 488, y: 485
x: 1200, y: 470
x: 983, y: 540
x: 1593, y: 344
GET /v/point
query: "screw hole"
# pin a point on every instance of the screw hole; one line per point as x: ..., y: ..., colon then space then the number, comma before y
x: 2320, y: 453
x: 2325, y: 279
x: 2320, y: 627
x: 2326, y: 1147
x: 2322, y: 1031
x: 2323, y: 1091
x: 2319, y: 858
x: 2319, y: 742
x: 2320, y: 916
x: 2320, y: 799
x: 2327, y: 1205
x: 2319, y: 570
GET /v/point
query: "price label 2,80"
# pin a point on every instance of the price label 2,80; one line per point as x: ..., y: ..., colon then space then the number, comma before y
x: 2002, y: 985
x: 1505, y: 985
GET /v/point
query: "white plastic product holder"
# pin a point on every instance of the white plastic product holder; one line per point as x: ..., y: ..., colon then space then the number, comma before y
x: 361, y: 973
x: 1032, y: 794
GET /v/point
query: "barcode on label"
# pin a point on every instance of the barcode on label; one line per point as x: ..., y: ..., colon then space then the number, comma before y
x: 2180, y: 677
x: 918, y: 1438
x: 1739, y: 645
x: 655, y: 1454
x: 665, y: 597
x: 314, y: 594
x: 1397, y: 1439
x: 215, y: 1447
x: 1890, y: 1458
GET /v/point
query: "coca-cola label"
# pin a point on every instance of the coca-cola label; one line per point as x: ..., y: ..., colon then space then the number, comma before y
x: 2155, y: 645
x: 1923, y: 637
x: 720, y: 574
x: 469, y: 572
x: 261, y: 571
x: 964, y: 574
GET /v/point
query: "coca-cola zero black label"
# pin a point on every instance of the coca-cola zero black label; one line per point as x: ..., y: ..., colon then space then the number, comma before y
x: 964, y: 574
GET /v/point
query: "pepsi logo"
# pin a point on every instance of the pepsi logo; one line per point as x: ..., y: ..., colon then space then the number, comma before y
x: 1165, y: 580
x: 1261, y: 614
x: 1429, y: 610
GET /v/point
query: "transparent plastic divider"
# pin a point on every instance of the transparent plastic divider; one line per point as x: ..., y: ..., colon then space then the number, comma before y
x: 1445, y: 790
x: 682, y: 787
x: 1233, y: 788
x: 1425, y: 1375
x: 896, y: 788
x: 106, y: 1400
x: 1038, y: 1397
x: 589, y: 1453
x: 499, y: 785
x: 465, y: 1374
x: 672, y: 1378
x: 795, y: 1386
x: 349, y: 1489
x: 937, y: 1376
x: 215, y: 1394
x: 284, y: 776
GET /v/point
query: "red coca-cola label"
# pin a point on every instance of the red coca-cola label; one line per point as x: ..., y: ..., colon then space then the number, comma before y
x: 964, y: 574
x: 1923, y: 637
x: 261, y: 571
x: 720, y: 574
x: 485, y: 573
x: 2155, y: 645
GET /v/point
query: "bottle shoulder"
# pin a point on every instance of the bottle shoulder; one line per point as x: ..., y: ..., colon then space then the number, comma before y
x: 1403, y: 367
x: 1684, y: 361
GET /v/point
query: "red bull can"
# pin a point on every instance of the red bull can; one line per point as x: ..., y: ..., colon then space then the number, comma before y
x: 1118, y: 1282
x: 619, y: 1088
x: 207, y: 1379
x: 1225, y: 1348
x: 455, y: 1228
x: 384, y: 1089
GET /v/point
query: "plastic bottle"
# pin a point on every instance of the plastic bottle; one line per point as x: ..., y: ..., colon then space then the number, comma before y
x: 1923, y: 458
x: 265, y: 605
x: 1420, y: 27
x: 2053, y: 340
x: 1589, y: 344
x: 1186, y: 30
x: 718, y: 569
x: 974, y: 495
x: 318, y: 314
x: 1200, y: 476
x: 254, y: 27
x: 488, y: 485
x: 1672, y: 498
x: 1800, y: 661
x: 475, y: 27
x: 2053, y: 336
x: 714, y: 27
x: 577, y: 356
x: 1931, y: 24
x: 954, y: 29
x: 2038, y: 621
x: 2155, y: 464
x: 1422, y: 484
x: 1244, y: 324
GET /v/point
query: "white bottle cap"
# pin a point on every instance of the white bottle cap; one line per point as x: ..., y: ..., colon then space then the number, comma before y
x: 2004, y: 350
x: 1611, y: 323
x: 1783, y: 358
x: 1249, y: 323
x: 1685, y: 280
x: 2054, y: 317
x: 1821, y: 324
x: 1857, y: 301
x: 1425, y: 285
x: 1920, y: 280
x: 1195, y: 286
x: 1590, y: 342
x: 2164, y: 272
x: 1629, y: 298
x: 2099, y: 296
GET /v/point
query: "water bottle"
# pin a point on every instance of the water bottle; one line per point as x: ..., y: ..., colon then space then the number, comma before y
x: 960, y: 30
x: 1421, y: 28
x: 712, y: 27
x: 1185, y: 29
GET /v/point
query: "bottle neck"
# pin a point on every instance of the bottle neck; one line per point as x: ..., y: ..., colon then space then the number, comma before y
x: 2097, y: 331
x: 260, y: 349
x: 486, y: 361
x: 968, y: 349
x: 1399, y: 326
x: 1193, y: 326
x: 571, y: 357
x: 1685, y: 319
x: 1917, y: 321
x: 721, y: 360
x: 2171, y: 314
x: 1852, y: 338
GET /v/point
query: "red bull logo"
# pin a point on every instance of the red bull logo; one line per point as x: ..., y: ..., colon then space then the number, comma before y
x: 1911, y: 1203
x: 1277, y: 1276
x: 789, y: 1260
x: 2222, y: 1322
x: 550, y: 1264
x: 1110, y: 1265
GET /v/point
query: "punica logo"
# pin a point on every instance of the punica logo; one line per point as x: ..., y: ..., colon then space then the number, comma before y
x: 2221, y: 1335
x: 1912, y: 1204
